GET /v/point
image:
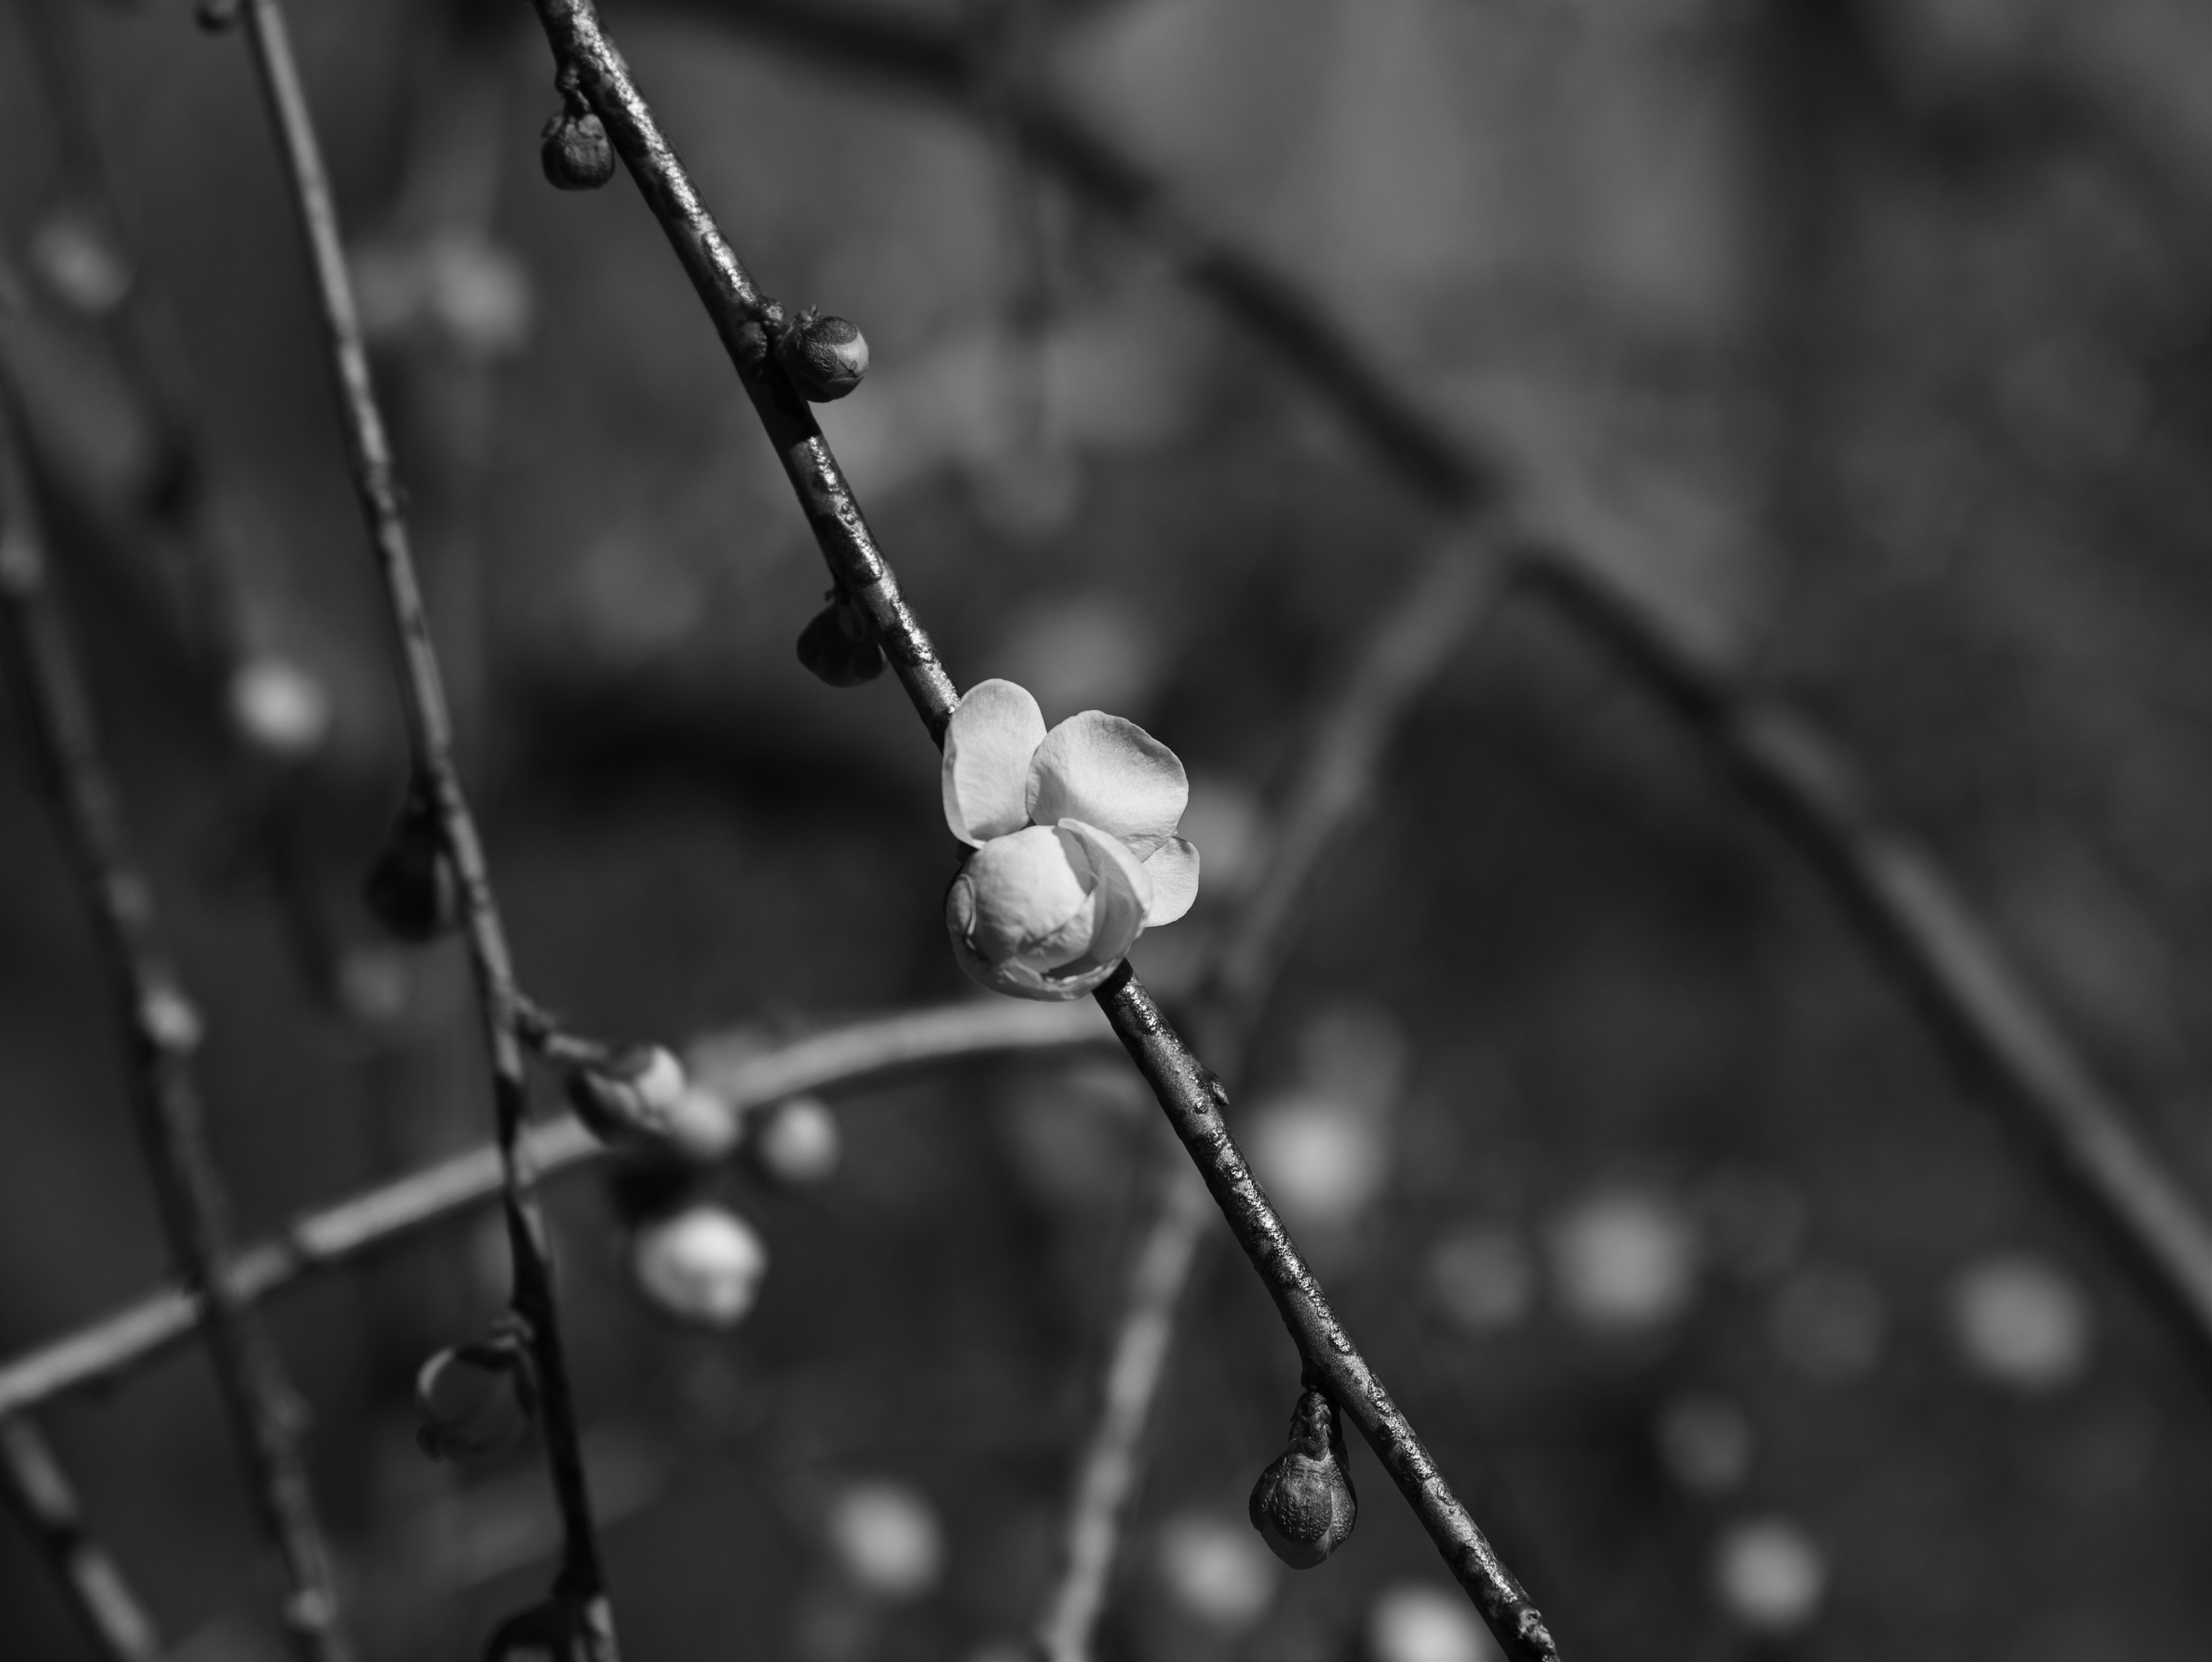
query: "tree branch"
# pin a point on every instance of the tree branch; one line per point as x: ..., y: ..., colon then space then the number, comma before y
x: 739, y: 1077
x: 1336, y: 782
x: 1188, y: 1093
x: 436, y: 782
x: 39, y: 1491
x: 1915, y: 914
x: 163, y: 1029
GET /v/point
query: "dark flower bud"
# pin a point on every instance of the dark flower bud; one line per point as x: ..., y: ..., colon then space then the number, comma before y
x: 838, y: 648
x: 217, y: 16
x: 1302, y: 1506
x: 562, y: 1630
x: 824, y: 357
x: 575, y: 151
x: 413, y: 889
x: 475, y: 1402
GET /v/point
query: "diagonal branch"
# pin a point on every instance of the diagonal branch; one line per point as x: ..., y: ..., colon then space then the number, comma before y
x: 1915, y: 913
x: 1335, y: 782
x: 39, y: 1491
x: 1191, y: 1096
x: 436, y: 784
x: 740, y: 1078
x: 163, y: 1030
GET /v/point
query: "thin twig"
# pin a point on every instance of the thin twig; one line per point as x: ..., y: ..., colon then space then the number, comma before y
x: 1336, y: 782
x: 1161, y: 1271
x: 1896, y: 886
x: 437, y: 782
x: 740, y: 1076
x: 39, y: 1491
x: 1915, y: 912
x: 1188, y: 1092
x: 178, y: 517
x: 163, y: 1029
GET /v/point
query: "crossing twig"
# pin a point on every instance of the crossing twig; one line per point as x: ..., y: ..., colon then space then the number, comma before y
x: 436, y: 784
x: 34, y: 1484
x: 163, y: 1030
x: 332, y: 1236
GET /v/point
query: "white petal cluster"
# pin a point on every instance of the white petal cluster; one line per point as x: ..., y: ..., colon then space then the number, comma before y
x: 1074, y: 834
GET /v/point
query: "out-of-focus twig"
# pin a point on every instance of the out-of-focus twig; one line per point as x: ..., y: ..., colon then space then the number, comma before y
x: 436, y: 785
x: 738, y: 1073
x: 1896, y: 886
x: 162, y: 1029
x: 34, y: 1485
x: 1190, y: 1095
x: 1335, y: 782
x: 1915, y: 913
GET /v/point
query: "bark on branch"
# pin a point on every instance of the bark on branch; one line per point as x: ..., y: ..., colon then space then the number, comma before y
x: 742, y: 316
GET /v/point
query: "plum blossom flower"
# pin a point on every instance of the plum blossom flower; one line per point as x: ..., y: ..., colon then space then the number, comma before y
x: 1074, y: 833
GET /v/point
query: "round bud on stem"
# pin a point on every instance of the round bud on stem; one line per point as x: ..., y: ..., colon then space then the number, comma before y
x: 838, y: 647
x: 824, y: 357
x: 559, y: 1630
x: 575, y: 151
x: 704, y: 1265
x: 795, y: 1143
x: 1302, y: 1506
x: 475, y: 1402
x: 413, y: 889
x: 632, y: 1093
x: 217, y: 17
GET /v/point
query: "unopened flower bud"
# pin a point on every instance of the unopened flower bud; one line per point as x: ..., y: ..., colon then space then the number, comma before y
x: 634, y: 1092
x: 279, y: 709
x: 413, y: 889
x: 562, y: 1630
x: 824, y: 357
x: 575, y: 151
x: 838, y: 647
x: 475, y: 1402
x: 1302, y: 1506
x: 217, y: 17
x: 704, y: 1265
x: 796, y: 1142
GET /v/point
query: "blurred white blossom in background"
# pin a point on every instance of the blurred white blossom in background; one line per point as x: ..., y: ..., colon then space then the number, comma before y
x: 1768, y: 1576
x: 2020, y: 1321
x: 1624, y: 1260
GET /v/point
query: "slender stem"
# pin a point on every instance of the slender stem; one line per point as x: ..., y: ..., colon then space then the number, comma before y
x: 1335, y: 782
x: 163, y: 1030
x: 742, y: 316
x: 429, y: 729
x: 1914, y: 912
x: 740, y: 1076
x: 738, y: 312
x: 1194, y: 1099
x: 38, y: 1488
x: 1106, y: 1481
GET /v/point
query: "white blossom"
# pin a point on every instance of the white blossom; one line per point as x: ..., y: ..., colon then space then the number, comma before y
x: 1074, y: 833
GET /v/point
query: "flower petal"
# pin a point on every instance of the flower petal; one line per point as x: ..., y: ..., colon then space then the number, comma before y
x: 1119, y: 885
x: 1017, y: 980
x: 1173, y: 866
x: 1110, y: 773
x: 993, y: 734
x: 1024, y: 896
